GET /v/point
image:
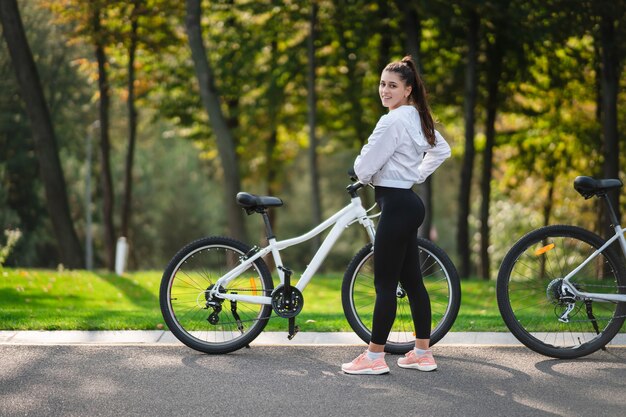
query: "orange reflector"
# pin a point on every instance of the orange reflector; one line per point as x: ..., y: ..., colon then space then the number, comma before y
x: 545, y: 249
x: 253, y: 285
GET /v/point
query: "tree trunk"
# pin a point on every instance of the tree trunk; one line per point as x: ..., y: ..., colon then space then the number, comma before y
x: 212, y: 105
x: 273, y: 165
x: 354, y: 91
x: 494, y: 73
x: 386, y: 36
x: 105, y: 145
x: 413, y: 30
x: 316, y: 197
x: 548, y: 203
x: 609, y: 83
x: 43, y: 134
x: 471, y: 88
x: 132, y: 124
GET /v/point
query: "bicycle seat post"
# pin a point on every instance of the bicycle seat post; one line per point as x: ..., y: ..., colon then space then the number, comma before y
x: 614, y: 220
x: 268, y: 227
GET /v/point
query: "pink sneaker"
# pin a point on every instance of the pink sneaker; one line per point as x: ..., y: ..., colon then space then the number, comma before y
x: 364, y: 366
x: 424, y: 362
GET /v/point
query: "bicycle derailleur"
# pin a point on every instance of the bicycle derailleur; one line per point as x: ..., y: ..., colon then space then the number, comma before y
x: 287, y: 302
x: 216, y: 305
x: 561, y: 296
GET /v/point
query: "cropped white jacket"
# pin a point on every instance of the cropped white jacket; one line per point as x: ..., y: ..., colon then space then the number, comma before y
x: 397, y: 153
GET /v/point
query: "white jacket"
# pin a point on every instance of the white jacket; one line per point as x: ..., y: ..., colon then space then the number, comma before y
x: 397, y: 153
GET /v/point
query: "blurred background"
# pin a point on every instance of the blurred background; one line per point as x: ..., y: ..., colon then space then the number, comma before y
x: 160, y: 111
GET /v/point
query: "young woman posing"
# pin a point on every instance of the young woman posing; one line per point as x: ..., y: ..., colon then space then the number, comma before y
x: 403, y: 150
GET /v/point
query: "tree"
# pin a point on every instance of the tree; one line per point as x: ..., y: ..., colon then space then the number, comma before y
x: 212, y: 104
x: 135, y: 12
x: 610, y: 15
x: 495, y: 54
x: 99, y: 40
x: 43, y: 133
x: 316, y: 196
x: 469, y: 107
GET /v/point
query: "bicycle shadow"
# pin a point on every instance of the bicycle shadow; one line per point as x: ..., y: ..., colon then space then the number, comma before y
x: 609, y: 364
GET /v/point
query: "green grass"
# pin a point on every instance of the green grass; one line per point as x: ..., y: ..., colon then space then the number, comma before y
x: 32, y: 299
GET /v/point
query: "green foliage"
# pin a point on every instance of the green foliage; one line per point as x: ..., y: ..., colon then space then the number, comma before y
x: 548, y: 128
x: 174, y: 199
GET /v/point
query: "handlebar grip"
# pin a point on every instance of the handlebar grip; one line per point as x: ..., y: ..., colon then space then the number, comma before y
x: 353, y: 188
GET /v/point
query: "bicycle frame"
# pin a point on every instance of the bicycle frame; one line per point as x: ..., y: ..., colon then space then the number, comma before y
x: 351, y: 213
x: 609, y: 298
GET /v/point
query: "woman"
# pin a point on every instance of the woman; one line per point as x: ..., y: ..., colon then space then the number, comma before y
x: 404, y: 149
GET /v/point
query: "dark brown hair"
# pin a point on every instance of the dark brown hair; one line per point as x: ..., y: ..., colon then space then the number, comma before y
x: 408, y: 73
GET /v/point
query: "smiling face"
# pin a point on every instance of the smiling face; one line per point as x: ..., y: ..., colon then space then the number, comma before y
x: 392, y: 90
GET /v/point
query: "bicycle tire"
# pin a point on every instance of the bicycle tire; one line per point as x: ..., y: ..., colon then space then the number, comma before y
x: 530, y: 307
x: 441, y: 280
x: 183, y: 299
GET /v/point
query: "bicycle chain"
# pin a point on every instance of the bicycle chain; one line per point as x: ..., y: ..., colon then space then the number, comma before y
x: 604, y: 286
x: 249, y: 290
x: 601, y: 318
x: 244, y: 321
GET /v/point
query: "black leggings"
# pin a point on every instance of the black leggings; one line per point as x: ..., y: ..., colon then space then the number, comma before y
x: 396, y: 258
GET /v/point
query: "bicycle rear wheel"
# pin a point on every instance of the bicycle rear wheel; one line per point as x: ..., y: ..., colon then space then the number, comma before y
x: 528, y: 292
x: 213, y: 325
x: 442, y: 282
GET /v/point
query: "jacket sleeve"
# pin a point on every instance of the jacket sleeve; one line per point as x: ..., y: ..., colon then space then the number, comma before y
x: 380, y: 146
x: 434, y: 157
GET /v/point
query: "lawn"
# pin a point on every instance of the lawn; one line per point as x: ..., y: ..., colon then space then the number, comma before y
x: 33, y: 299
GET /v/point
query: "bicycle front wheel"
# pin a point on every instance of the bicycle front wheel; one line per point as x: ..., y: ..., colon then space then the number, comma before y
x: 442, y: 283
x: 531, y: 301
x: 214, y: 325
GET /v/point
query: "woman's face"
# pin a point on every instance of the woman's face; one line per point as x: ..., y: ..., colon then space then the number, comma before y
x: 393, y: 91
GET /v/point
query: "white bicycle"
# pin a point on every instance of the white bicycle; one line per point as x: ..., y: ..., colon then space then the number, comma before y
x: 562, y: 289
x: 217, y: 294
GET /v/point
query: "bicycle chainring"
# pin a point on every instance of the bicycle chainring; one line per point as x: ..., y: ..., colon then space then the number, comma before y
x: 287, y: 307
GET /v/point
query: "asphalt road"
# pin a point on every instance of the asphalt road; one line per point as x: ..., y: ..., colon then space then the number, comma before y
x: 108, y: 380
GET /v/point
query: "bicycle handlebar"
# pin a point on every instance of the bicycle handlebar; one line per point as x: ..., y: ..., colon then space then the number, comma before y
x: 353, y: 188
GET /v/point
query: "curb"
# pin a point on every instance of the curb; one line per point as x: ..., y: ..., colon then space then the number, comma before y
x: 164, y: 338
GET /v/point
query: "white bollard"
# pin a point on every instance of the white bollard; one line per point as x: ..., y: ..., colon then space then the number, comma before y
x: 121, y: 254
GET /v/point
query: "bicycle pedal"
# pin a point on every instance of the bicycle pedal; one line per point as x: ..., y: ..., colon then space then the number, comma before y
x: 295, y: 331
